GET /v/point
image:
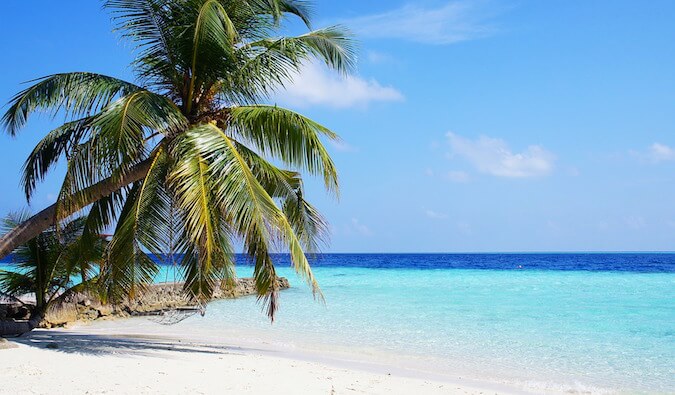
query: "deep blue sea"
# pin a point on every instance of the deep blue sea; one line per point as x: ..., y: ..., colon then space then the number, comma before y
x: 562, y: 322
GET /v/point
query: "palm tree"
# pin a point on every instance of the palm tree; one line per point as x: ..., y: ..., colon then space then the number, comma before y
x: 47, y: 267
x: 187, y: 148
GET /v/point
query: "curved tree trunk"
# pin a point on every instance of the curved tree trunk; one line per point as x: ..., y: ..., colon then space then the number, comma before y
x: 33, y: 226
x: 17, y: 328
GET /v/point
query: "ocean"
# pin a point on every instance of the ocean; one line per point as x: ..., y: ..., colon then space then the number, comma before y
x: 561, y: 322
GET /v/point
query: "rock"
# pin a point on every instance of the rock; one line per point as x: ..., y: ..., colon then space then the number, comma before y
x: 87, y: 313
x: 6, y: 344
x: 156, y: 297
x: 15, y: 311
x: 61, y: 315
x: 105, y: 311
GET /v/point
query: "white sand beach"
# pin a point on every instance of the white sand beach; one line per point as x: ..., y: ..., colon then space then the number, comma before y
x: 87, y: 360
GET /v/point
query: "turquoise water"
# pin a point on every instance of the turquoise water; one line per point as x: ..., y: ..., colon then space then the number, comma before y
x: 562, y: 329
x: 533, y: 329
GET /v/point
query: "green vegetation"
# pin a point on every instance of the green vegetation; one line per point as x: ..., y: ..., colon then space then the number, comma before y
x: 184, y: 159
x: 52, y: 266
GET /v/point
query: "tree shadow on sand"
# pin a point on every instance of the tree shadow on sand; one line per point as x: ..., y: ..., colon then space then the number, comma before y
x: 123, y: 345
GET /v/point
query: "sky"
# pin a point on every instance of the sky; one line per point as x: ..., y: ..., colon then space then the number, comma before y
x: 468, y: 126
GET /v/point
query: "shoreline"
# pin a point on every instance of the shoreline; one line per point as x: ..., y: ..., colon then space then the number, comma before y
x: 362, y: 340
x: 159, y: 362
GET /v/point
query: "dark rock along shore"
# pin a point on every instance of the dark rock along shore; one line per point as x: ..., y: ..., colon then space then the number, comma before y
x: 158, y: 297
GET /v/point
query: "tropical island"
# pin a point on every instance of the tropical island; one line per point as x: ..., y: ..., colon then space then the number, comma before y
x: 164, y: 241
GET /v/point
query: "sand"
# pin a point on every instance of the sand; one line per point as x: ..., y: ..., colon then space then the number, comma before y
x: 84, y: 360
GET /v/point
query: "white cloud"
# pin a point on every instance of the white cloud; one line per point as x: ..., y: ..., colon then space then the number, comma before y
x: 435, y: 214
x: 450, y: 23
x: 316, y: 85
x: 661, y: 152
x: 493, y: 156
x: 656, y: 153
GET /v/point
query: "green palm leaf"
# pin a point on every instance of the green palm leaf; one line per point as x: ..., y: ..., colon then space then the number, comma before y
x: 250, y: 210
x: 333, y: 45
x: 210, y: 259
x: 308, y: 224
x: 214, y: 36
x: 128, y: 269
x: 76, y: 94
x: 143, y: 226
x: 287, y: 136
x: 184, y: 164
x: 60, y: 141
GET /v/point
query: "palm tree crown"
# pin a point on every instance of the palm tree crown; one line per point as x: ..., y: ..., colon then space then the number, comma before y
x: 189, y: 143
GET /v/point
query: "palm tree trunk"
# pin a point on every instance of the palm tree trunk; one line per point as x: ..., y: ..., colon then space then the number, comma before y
x: 18, y: 328
x: 33, y: 226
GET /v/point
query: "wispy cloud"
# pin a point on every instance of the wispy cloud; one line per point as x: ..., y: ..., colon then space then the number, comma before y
x: 493, y: 156
x: 320, y: 86
x: 655, y: 153
x: 435, y: 214
x: 449, y: 23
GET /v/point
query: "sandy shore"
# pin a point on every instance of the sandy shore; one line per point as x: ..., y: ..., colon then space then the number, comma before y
x: 89, y: 360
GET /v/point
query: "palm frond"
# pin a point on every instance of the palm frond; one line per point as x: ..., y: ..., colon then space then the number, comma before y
x: 102, y: 214
x: 277, y: 9
x: 332, y: 45
x: 44, y: 265
x: 76, y: 94
x: 287, y: 136
x: 123, y: 126
x: 214, y: 36
x: 270, y: 63
x: 148, y: 25
x: 301, y: 9
x: 15, y: 283
x: 57, y: 143
x: 118, y: 142
x: 250, y: 209
x: 128, y: 269
x: 85, y: 168
x: 310, y: 226
x: 210, y: 257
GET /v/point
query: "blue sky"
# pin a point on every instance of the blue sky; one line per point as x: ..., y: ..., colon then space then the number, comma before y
x: 468, y: 126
